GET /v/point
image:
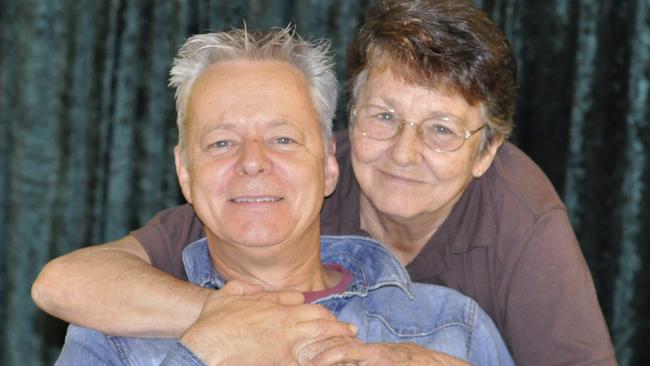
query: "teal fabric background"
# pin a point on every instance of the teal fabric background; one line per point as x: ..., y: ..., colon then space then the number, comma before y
x: 87, y: 127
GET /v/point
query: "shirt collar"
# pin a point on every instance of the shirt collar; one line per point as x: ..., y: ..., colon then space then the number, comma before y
x: 371, y: 265
x: 198, y: 265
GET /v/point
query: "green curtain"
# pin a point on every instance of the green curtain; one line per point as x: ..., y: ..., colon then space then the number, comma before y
x: 87, y: 126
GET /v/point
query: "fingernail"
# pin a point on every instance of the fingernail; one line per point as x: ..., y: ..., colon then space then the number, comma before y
x: 353, y: 328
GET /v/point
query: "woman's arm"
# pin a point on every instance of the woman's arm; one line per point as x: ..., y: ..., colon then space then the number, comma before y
x: 114, y: 289
x: 553, y: 315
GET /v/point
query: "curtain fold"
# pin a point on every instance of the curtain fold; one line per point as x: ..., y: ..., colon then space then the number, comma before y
x: 87, y: 127
x: 7, y: 93
x: 33, y: 167
x: 628, y: 304
x: 80, y: 106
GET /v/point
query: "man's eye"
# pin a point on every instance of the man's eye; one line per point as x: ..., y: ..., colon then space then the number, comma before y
x: 221, y: 144
x: 283, y: 140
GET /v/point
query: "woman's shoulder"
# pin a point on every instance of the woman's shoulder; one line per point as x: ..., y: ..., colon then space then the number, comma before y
x: 518, y: 180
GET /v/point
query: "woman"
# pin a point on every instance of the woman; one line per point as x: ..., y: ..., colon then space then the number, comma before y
x: 424, y: 170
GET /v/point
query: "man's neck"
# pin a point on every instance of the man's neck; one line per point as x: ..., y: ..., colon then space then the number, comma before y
x: 295, y: 266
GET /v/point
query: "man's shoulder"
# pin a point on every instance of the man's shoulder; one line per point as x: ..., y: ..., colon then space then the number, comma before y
x: 450, y: 305
x: 430, y: 311
x: 385, y: 276
x: 371, y: 264
x: 385, y: 281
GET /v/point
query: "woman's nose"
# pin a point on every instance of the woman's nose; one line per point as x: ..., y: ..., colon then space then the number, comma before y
x: 407, y: 146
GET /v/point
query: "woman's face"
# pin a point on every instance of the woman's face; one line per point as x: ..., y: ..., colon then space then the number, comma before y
x: 402, y: 177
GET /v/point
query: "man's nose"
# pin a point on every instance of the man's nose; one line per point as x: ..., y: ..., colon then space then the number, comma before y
x: 253, y: 159
x: 407, y: 146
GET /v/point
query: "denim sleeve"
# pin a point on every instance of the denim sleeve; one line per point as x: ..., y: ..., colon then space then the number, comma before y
x: 85, y: 346
x: 487, y: 347
x: 181, y: 355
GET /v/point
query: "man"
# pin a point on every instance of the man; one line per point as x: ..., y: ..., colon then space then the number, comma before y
x: 255, y: 160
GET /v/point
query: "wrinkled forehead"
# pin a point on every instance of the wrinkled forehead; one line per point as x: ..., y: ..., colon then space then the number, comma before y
x: 387, y: 80
x: 251, y: 87
x: 385, y: 85
x: 415, y: 75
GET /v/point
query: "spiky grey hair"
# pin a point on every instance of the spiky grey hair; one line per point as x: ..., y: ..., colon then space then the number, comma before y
x: 313, y: 59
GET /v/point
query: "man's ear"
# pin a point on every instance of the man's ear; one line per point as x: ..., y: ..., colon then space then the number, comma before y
x: 331, y: 168
x: 483, y: 162
x: 182, y: 174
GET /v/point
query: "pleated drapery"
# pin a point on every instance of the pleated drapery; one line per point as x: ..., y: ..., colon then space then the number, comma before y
x: 87, y: 126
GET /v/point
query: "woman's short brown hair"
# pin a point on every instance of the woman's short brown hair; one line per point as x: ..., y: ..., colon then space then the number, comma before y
x: 442, y: 44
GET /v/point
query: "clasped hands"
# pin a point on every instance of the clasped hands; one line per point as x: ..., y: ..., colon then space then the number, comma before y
x: 242, y: 324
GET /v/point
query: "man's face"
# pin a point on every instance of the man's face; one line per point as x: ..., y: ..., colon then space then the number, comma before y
x: 254, y: 166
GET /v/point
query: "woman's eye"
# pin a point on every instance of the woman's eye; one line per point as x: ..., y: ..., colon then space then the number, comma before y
x: 385, y: 116
x: 442, y: 130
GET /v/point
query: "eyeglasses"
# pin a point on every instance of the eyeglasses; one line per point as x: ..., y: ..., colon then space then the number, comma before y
x: 441, y: 133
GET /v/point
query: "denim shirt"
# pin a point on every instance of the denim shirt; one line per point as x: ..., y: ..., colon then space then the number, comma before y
x: 381, y: 301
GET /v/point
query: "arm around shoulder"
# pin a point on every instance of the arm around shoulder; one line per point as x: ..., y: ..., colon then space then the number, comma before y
x: 113, y: 288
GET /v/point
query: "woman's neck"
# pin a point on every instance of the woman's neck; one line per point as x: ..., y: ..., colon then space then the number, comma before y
x: 405, y: 237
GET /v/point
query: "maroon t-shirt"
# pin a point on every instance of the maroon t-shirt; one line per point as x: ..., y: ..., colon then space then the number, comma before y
x: 344, y: 283
x: 507, y: 243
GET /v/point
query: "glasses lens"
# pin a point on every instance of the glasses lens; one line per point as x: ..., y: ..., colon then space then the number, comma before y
x: 443, y: 134
x: 377, y: 122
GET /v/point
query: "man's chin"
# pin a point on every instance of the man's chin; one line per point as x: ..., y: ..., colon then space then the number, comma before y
x: 258, y: 236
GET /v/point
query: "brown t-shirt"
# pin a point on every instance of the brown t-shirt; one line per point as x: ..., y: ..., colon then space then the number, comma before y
x: 507, y: 244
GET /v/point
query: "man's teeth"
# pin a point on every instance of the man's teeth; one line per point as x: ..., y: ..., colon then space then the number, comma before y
x: 256, y: 199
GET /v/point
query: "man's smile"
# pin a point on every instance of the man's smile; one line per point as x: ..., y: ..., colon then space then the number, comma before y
x: 256, y: 199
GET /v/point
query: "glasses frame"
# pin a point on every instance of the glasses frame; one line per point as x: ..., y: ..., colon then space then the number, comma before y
x: 403, y: 122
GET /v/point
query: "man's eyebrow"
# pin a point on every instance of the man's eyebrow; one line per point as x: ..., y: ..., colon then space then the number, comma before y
x: 230, y: 126
x: 279, y: 123
x: 218, y: 126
